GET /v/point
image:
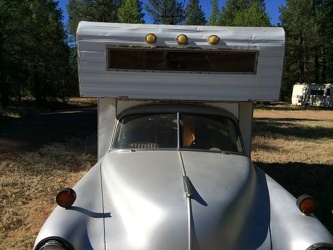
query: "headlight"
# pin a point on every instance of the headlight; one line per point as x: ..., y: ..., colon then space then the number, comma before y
x: 320, y: 246
x: 54, y: 244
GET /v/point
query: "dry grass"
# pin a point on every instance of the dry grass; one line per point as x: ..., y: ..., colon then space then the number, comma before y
x: 82, y: 101
x: 28, y: 185
x: 286, y: 141
x: 298, y: 154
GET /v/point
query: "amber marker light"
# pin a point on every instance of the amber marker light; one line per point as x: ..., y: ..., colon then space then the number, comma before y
x: 213, y: 39
x: 182, y: 39
x: 66, y: 197
x: 151, y: 38
x: 306, y: 203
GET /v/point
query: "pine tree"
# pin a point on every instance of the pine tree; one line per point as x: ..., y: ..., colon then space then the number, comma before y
x: 253, y: 16
x: 325, y: 21
x: 309, y: 42
x: 244, y: 13
x: 10, y: 26
x: 302, y: 34
x: 166, y: 11
x: 131, y: 12
x: 34, y: 55
x: 91, y: 10
x: 194, y: 14
x: 215, y: 13
x: 47, y: 53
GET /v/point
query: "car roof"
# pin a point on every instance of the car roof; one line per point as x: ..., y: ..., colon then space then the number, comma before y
x: 173, y: 108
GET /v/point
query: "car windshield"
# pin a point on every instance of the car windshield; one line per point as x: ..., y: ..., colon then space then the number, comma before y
x: 178, y: 131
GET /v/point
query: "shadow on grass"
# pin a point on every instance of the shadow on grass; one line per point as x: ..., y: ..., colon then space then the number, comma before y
x: 314, y: 179
x: 283, y: 106
x: 290, y: 127
x: 31, y: 132
x: 6, y: 119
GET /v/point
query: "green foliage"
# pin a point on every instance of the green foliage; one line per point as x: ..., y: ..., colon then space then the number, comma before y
x: 46, y: 51
x: 33, y: 51
x: 9, y: 26
x: 215, y: 14
x: 244, y: 13
x: 251, y: 17
x: 325, y: 14
x: 91, y: 10
x: 131, y: 12
x: 194, y: 14
x: 309, y: 54
x: 230, y: 10
x: 165, y: 11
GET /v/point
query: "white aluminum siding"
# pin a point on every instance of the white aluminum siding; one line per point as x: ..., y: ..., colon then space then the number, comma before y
x: 96, y: 81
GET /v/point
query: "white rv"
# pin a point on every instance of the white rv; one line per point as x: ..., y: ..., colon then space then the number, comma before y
x: 318, y: 95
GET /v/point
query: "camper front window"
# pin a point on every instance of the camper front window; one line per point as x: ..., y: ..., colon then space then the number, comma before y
x: 177, y: 131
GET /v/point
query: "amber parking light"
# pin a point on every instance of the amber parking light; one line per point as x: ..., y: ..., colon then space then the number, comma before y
x: 66, y: 197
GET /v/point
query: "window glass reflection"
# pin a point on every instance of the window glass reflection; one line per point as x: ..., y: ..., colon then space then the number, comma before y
x: 159, y: 131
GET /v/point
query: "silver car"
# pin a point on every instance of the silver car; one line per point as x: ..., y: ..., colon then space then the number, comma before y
x: 176, y: 177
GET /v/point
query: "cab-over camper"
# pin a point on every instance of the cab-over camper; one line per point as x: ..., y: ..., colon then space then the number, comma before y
x: 174, y: 140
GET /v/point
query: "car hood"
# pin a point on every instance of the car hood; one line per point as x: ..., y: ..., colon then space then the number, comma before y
x: 183, y: 200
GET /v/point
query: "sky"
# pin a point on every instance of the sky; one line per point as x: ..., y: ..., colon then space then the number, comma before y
x: 272, y: 8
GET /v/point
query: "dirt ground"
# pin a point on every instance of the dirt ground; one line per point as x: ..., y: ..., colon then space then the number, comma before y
x: 18, y: 135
